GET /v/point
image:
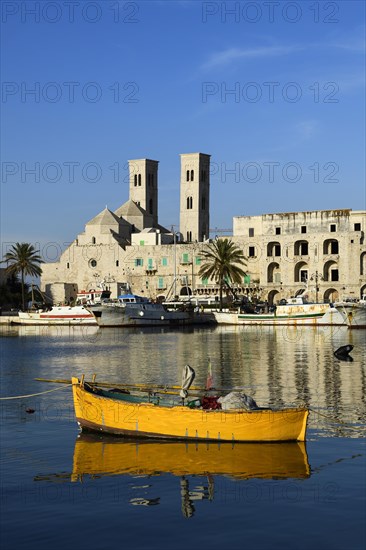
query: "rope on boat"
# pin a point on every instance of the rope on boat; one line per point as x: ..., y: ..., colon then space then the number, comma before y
x: 337, y: 421
x: 34, y: 394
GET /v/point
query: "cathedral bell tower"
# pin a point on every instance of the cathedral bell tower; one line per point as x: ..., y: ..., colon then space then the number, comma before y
x: 195, y: 197
x: 144, y: 185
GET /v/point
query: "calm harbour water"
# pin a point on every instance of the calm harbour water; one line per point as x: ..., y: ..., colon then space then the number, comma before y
x: 59, y: 490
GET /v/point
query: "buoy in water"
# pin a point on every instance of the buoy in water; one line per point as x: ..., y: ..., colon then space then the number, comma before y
x: 342, y: 353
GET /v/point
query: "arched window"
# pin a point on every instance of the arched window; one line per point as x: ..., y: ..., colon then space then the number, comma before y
x: 139, y: 180
x: 301, y: 248
x: 363, y: 263
x: 330, y: 271
x: 187, y: 175
x: 273, y: 273
x: 135, y: 180
x: 189, y: 203
x: 94, y: 240
x: 301, y: 272
x: 330, y: 246
x: 273, y: 249
x: 189, y: 236
x: 192, y: 175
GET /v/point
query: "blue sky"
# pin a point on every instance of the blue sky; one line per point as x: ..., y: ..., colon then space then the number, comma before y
x: 274, y: 91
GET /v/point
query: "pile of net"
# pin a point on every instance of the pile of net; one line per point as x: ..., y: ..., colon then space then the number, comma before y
x: 237, y: 400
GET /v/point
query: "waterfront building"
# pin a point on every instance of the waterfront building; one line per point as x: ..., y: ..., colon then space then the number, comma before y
x: 321, y: 253
x: 129, y: 249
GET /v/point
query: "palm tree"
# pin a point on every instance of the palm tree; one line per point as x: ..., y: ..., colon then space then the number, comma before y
x: 222, y: 261
x: 23, y: 259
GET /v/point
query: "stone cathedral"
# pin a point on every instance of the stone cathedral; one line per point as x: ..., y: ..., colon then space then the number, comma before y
x: 128, y: 248
x: 322, y: 251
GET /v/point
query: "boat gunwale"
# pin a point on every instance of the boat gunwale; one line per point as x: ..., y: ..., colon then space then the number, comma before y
x: 186, y: 408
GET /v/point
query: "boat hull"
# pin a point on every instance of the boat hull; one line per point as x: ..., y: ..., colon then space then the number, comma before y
x: 62, y: 315
x: 354, y: 315
x: 114, y: 416
x: 307, y: 314
x: 148, y: 315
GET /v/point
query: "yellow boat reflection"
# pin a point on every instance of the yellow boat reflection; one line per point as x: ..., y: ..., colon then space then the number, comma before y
x: 105, y: 456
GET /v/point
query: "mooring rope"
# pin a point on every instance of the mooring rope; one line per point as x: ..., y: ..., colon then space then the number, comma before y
x: 337, y: 421
x: 34, y: 394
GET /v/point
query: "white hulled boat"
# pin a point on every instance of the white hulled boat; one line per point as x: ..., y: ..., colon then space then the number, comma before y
x: 294, y: 311
x: 56, y: 315
x: 65, y: 314
x: 353, y: 313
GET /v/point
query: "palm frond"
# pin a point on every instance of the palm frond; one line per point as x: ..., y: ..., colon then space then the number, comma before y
x: 223, y: 261
x: 23, y: 259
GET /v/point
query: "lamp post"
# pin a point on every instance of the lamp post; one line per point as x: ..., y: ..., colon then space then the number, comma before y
x: 316, y: 277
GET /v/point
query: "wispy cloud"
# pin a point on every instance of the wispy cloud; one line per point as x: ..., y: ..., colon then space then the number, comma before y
x: 232, y: 54
x: 352, y: 44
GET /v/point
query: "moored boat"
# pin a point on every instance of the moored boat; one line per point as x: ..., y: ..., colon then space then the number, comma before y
x: 169, y: 417
x: 353, y: 313
x: 64, y: 314
x: 294, y: 311
x: 130, y: 310
x: 56, y: 315
x: 92, y: 296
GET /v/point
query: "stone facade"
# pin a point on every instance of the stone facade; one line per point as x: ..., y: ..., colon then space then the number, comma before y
x: 322, y: 252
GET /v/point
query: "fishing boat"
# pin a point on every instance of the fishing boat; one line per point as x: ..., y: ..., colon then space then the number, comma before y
x: 232, y: 418
x: 294, y: 311
x: 56, y: 315
x: 96, y: 455
x: 77, y: 314
x: 92, y: 296
x: 131, y: 310
x: 353, y: 313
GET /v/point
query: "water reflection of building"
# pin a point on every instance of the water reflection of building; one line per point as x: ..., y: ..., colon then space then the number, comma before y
x: 275, y: 365
x: 284, y: 365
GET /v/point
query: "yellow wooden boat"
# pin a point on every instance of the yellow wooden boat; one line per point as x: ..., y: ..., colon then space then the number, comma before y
x: 108, y: 411
x: 96, y: 455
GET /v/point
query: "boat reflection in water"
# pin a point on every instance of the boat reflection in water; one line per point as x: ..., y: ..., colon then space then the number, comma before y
x: 105, y: 455
x: 97, y: 456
